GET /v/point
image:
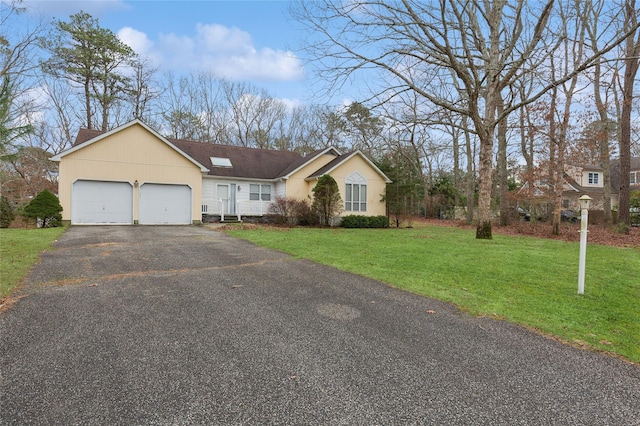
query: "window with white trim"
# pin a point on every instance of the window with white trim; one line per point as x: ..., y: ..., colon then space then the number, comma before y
x: 355, y: 194
x: 593, y: 178
x: 634, y: 178
x: 259, y: 192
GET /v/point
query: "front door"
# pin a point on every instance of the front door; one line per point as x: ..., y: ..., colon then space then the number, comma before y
x: 227, y: 193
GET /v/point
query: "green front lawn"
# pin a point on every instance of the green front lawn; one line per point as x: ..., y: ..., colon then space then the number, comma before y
x: 19, y: 251
x: 524, y: 280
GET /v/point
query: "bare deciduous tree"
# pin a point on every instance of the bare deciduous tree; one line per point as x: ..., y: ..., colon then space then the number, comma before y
x: 632, y: 62
x: 419, y: 45
x: 254, y: 114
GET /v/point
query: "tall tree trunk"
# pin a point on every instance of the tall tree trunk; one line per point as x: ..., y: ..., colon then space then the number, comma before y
x: 483, y: 230
x: 471, y: 177
x: 553, y: 150
x: 603, y: 141
x: 632, y: 51
x: 503, y: 178
x: 87, y: 101
x: 455, y: 134
x: 605, y: 160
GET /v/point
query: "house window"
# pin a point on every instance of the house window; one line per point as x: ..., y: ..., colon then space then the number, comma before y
x: 355, y: 194
x: 565, y: 204
x: 634, y: 178
x: 260, y: 192
x: 593, y: 178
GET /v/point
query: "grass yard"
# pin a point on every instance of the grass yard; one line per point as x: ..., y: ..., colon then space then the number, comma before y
x: 19, y: 251
x: 525, y: 280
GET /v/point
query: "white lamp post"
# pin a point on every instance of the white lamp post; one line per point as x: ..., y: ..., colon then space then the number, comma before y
x: 585, y: 200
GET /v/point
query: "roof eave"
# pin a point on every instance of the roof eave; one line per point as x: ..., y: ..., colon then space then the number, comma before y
x: 318, y: 155
x: 364, y: 157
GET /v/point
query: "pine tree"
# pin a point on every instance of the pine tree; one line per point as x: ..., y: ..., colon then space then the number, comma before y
x: 46, y: 208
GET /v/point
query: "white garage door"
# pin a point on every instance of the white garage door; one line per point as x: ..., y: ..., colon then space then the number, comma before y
x: 165, y: 204
x: 97, y: 202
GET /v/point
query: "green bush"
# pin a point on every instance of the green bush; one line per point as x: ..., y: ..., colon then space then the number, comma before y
x: 359, y: 221
x: 7, y: 212
x: 45, y: 208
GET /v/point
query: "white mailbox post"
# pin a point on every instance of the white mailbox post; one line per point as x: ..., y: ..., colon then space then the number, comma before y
x: 585, y: 200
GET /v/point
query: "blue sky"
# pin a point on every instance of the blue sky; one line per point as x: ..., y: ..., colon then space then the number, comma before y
x: 253, y: 41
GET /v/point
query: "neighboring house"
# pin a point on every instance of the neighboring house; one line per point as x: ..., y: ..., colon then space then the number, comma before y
x: 133, y: 175
x: 588, y: 179
x: 634, y: 175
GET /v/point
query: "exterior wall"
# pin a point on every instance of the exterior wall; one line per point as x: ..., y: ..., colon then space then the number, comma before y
x: 281, y: 189
x: 244, y: 205
x: 584, y: 181
x: 297, y: 186
x: 376, y: 185
x: 132, y: 154
x: 635, y: 185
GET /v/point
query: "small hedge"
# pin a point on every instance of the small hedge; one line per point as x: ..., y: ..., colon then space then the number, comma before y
x: 358, y: 221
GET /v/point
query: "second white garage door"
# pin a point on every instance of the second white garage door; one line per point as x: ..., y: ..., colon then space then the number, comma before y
x: 162, y: 204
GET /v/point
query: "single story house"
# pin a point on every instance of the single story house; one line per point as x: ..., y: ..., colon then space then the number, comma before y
x: 134, y: 175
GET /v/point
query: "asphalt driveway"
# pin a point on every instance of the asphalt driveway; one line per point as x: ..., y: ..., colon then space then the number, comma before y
x: 184, y: 325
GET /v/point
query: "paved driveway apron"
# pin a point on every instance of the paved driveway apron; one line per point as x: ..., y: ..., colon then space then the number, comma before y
x: 184, y: 325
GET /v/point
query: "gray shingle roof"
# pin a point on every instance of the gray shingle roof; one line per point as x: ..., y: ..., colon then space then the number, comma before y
x: 249, y: 163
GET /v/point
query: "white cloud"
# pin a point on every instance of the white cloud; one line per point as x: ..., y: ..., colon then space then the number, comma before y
x: 227, y: 52
x: 137, y: 40
x: 218, y: 39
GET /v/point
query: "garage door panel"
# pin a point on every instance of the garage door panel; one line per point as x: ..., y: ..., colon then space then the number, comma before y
x: 101, y: 202
x: 162, y: 204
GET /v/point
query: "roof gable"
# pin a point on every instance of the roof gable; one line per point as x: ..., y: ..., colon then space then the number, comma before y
x: 87, y: 137
x: 341, y: 159
x: 308, y: 159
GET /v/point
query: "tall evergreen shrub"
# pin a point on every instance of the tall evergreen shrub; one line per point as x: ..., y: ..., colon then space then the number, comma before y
x: 45, y: 208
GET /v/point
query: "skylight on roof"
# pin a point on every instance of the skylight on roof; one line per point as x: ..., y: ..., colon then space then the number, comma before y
x: 221, y: 162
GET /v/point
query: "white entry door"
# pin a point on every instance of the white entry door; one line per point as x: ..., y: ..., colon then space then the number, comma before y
x: 223, y: 198
x: 226, y: 193
x: 162, y: 204
x: 101, y: 203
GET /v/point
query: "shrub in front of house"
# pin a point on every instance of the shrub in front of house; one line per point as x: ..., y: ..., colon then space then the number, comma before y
x: 327, y: 203
x: 45, y: 208
x: 359, y: 221
x: 291, y: 212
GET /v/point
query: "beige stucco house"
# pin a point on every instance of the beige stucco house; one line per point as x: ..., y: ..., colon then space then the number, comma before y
x: 133, y: 175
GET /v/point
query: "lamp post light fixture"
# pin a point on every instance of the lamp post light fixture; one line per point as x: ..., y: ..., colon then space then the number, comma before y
x: 585, y: 200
